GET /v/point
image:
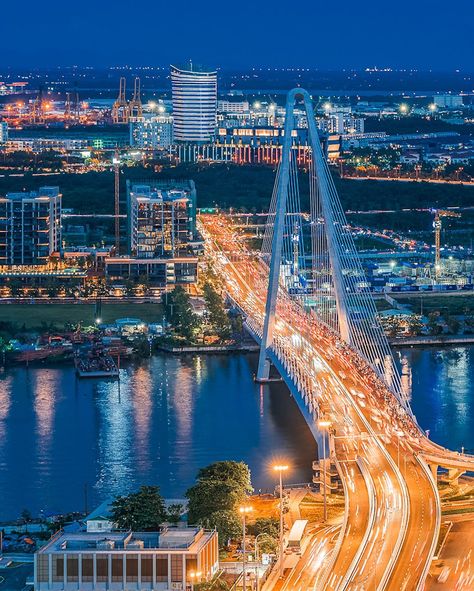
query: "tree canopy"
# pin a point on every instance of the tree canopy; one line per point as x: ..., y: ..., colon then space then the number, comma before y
x: 142, y: 510
x: 179, y: 312
x: 217, y: 314
x: 220, y: 487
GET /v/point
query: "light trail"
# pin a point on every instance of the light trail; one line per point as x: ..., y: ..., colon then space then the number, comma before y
x: 380, y: 462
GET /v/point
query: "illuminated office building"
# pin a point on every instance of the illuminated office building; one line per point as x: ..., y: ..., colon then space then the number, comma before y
x: 30, y: 226
x: 194, y: 93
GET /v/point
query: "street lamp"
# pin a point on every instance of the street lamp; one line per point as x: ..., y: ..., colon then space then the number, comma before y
x: 280, y: 468
x: 324, y: 425
x: 194, y: 576
x: 244, y: 511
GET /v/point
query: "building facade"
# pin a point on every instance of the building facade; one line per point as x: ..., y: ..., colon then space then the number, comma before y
x: 233, y: 107
x: 151, y: 133
x: 448, y: 101
x: 194, y: 92
x: 162, y: 218
x: 161, y: 561
x: 30, y: 226
x: 160, y: 273
x: 3, y: 132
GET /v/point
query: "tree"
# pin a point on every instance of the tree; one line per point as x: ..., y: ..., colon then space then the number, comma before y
x: 174, y: 512
x: 26, y: 518
x: 220, y: 487
x: 179, y: 312
x: 227, y: 523
x: 129, y: 288
x: 453, y: 324
x: 215, y: 585
x: 433, y: 327
x: 218, y: 318
x: 142, y: 510
x: 265, y: 525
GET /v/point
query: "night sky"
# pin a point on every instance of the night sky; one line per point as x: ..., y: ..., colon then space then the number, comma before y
x: 423, y: 34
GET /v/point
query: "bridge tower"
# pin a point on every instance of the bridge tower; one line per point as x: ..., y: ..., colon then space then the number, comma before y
x: 332, y: 285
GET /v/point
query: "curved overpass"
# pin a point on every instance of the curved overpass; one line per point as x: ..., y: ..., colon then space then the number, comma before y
x: 392, y: 505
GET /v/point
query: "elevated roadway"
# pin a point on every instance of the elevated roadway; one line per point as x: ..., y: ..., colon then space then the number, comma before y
x: 392, y: 506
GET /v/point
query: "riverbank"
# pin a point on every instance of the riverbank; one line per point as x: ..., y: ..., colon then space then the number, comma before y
x: 429, y: 341
x: 246, y: 347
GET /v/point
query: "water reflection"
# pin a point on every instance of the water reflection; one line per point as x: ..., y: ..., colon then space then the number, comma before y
x: 173, y: 415
x: 142, y: 387
x: 44, y: 388
x: 5, y: 403
x: 443, y: 399
x: 115, y: 436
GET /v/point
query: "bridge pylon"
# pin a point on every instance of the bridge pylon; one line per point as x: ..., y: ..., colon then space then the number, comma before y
x: 326, y: 278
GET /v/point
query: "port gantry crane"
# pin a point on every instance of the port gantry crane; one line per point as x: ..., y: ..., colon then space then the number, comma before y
x: 135, y: 108
x: 437, y: 225
x: 120, y: 110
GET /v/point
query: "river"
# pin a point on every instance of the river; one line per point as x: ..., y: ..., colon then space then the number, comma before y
x: 64, y: 439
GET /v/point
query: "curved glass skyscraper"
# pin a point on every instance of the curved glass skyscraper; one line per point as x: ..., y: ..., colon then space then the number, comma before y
x: 194, y: 104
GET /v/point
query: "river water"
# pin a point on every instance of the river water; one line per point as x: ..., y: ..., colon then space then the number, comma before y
x: 63, y: 439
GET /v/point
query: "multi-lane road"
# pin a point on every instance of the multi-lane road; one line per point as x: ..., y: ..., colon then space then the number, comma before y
x: 392, y: 513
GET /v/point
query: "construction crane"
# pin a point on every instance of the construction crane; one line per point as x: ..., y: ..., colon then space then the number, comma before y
x: 135, y: 108
x: 67, y: 107
x: 116, y: 163
x: 37, y: 112
x: 120, y: 109
x: 437, y: 225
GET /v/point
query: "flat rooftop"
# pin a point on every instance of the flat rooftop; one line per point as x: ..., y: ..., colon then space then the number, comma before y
x: 188, y: 539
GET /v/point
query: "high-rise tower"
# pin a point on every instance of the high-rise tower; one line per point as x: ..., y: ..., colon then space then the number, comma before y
x: 194, y: 103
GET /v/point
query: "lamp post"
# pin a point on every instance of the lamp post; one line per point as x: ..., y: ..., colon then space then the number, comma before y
x: 244, y: 510
x: 194, y: 576
x: 324, y: 425
x: 280, y: 468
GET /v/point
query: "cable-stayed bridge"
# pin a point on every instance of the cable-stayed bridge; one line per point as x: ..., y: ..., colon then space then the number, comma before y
x: 304, y: 298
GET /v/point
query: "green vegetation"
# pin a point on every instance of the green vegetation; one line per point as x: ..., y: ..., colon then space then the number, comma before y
x: 268, y: 530
x: 37, y: 316
x: 179, y: 313
x: 216, y: 313
x: 447, y: 304
x: 214, y: 499
x: 249, y: 188
x: 140, y: 511
x: 414, y: 124
x: 217, y: 584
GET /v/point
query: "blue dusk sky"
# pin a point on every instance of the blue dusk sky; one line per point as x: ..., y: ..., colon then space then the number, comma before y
x: 420, y: 34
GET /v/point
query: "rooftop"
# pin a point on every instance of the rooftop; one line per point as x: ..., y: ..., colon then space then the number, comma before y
x: 194, y: 68
x: 189, y: 539
x: 150, y: 192
x: 43, y: 192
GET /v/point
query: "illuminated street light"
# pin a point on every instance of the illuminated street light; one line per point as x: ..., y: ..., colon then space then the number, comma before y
x: 327, y: 107
x: 161, y: 109
x: 432, y: 107
x: 280, y: 468
x: 151, y: 105
x: 322, y: 424
x: 403, y: 108
x: 194, y: 576
x: 257, y: 105
x: 244, y: 510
